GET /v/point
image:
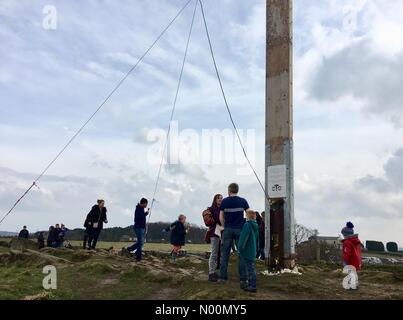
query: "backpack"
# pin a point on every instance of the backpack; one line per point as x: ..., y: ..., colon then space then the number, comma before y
x: 208, y: 218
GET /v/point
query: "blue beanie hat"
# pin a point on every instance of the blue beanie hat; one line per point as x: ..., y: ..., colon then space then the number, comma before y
x: 350, y: 225
x: 347, y: 232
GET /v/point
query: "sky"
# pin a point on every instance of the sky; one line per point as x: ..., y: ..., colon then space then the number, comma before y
x: 58, y: 64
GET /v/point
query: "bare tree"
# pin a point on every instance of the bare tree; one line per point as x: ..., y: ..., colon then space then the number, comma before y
x: 303, y: 233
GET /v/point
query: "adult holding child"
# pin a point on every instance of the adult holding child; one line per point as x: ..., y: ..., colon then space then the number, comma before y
x: 232, y: 218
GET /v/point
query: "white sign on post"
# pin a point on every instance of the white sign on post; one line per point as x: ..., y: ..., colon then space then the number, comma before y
x: 277, y: 181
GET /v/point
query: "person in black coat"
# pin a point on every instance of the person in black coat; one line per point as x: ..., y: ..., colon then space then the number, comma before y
x: 96, y: 219
x: 24, y: 233
x: 178, y: 234
x: 56, y: 235
x: 51, y: 241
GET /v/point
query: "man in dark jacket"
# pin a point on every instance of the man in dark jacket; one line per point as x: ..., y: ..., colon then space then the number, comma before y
x: 139, y: 227
x: 24, y: 233
x: 97, y: 218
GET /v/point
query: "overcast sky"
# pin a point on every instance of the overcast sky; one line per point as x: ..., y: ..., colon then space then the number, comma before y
x: 348, y: 76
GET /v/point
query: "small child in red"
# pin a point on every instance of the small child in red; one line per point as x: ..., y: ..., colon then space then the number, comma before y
x: 351, y: 248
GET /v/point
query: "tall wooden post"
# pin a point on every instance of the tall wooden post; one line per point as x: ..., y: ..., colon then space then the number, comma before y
x: 280, y: 244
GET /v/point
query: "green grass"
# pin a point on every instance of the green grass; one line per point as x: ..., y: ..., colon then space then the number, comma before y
x: 102, y: 275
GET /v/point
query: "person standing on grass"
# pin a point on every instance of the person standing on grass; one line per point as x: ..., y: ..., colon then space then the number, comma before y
x: 97, y: 218
x: 87, y: 231
x: 62, y: 235
x: 24, y: 233
x: 247, y: 248
x: 140, y: 216
x: 51, y: 242
x: 351, y: 249
x: 232, y: 219
x: 56, y: 235
x: 214, y: 239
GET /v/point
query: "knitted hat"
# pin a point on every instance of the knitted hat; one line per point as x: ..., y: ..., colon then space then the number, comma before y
x: 347, y: 232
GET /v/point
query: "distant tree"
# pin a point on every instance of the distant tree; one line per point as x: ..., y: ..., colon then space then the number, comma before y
x: 303, y: 233
x: 196, y: 233
x: 392, y: 247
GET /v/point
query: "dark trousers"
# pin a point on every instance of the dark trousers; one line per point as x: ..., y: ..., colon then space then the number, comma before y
x: 138, y: 246
x: 93, y: 238
x: 86, y: 236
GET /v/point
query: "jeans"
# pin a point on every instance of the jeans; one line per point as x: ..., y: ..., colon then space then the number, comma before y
x: 138, y: 246
x: 215, y: 248
x: 229, y: 236
x: 93, y: 238
x: 250, y: 269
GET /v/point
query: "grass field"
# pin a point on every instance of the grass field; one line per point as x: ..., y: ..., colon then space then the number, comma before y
x: 105, y: 275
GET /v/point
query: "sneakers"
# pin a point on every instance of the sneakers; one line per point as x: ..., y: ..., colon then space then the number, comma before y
x: 250, y: 289
x: 243, y: 285
x: 212, y: 277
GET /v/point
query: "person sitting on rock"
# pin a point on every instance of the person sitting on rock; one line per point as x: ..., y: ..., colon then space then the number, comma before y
x: 24, y: 233
x: 41, y: 240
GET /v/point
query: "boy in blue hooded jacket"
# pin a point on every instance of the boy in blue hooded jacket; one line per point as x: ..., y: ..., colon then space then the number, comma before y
x: 247, y: 247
